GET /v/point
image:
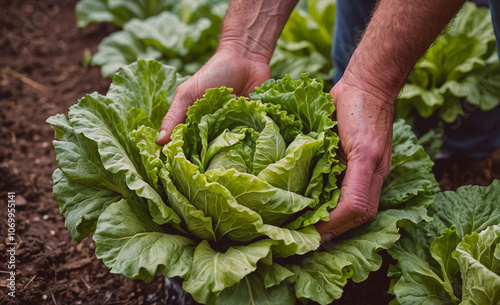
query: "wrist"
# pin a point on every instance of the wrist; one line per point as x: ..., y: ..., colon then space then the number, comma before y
x: 251, y: 27
x: 383, y: 82
x: 245, y: 47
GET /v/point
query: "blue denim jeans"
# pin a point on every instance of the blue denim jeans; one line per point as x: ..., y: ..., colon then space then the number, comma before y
x: 475, y: 134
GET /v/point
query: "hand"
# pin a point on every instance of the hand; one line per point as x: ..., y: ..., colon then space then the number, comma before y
x: 227, y: 67
x: 365, y: 130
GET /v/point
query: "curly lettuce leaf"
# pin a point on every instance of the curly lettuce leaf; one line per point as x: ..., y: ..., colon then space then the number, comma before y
x: 410, y: 168
x: 212, y: 272
x: 479, y: 258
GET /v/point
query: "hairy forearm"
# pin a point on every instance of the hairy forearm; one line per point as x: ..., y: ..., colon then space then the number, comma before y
x: 252, y: 27
x: 398, y: 34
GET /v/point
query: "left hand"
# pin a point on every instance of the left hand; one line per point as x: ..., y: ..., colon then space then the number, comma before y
x: 365, y: 131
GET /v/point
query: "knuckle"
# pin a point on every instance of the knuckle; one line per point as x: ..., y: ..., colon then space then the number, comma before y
x: 361, y: 211
x: 357, y: 209
x: 364, y: 217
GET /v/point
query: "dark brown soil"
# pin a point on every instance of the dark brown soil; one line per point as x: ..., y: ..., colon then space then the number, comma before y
x: 42, y: 73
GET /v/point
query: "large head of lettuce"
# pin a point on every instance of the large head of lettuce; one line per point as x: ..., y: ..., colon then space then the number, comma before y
x: 230, y: 203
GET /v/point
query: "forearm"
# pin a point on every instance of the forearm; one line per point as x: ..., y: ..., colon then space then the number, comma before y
x: 398, y: 34
x: 252, y: 27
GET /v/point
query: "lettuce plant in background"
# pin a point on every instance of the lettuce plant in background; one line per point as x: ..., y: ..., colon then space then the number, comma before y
x: 183, y: 34
x: 306, y: 41
x: 118, y: 12
x: 455, y: 259
x: 229, y: 204
x: 462, y: 64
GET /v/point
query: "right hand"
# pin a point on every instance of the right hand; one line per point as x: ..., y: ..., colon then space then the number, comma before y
x: 226, y: 68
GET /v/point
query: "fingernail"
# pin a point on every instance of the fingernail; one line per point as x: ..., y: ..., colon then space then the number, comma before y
x: 161, y: 135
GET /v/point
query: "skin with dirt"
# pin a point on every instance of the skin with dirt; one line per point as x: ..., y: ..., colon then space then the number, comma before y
x: 42, y: 73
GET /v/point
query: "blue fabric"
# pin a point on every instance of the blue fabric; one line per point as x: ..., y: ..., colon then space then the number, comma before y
x: 350, y: 19
x: 475, y: 134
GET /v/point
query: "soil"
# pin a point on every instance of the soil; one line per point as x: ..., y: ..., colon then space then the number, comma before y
x: 42, y: 73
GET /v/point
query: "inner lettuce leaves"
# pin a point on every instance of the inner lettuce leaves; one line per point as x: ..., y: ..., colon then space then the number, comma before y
x: 230, y: 203
x: 455, y: 258
x: 462, y: 64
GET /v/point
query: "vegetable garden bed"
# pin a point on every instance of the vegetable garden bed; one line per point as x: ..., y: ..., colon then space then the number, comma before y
x: 44, y: 78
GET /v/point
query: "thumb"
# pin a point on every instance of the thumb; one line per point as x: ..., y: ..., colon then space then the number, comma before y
x: 176, y: 115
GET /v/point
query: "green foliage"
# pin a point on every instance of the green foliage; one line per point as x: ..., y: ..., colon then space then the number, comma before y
x: 240, y: 185
x: 183, y: 34
x: 305, y: 43
x: 119, y: 12
x: 461, y: 64
x: 455, y: 258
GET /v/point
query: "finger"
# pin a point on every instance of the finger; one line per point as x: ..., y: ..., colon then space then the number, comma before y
x: 360, y: 193
x: 353, y: 200
x: 176, y: 115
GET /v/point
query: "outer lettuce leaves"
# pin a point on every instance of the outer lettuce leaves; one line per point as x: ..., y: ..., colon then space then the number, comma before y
x: 410, y: 168
x: 82, y: 186
x: 98, y: 162
x: 462, y: 63
x: 230, y: 203
x: 458, y: 246
x: 129, y: 242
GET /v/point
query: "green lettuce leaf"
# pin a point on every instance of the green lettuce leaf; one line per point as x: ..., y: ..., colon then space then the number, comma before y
x: 96, y: 156
x: 410, y: 168
x: 479, y: 258
x: 431, y: 264
x: 129, y: 242
x: 251, y: 291
x: 212, y: 271
x: 82, y: 186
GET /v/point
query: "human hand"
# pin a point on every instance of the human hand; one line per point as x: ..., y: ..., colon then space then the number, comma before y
x: 365, y: 130
x: 227, y: 68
